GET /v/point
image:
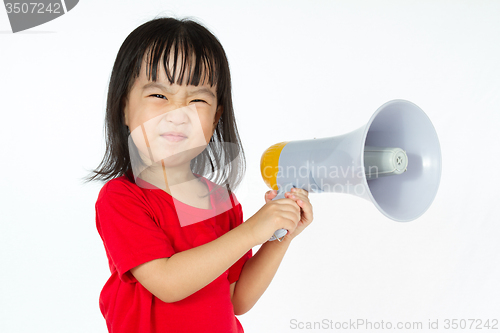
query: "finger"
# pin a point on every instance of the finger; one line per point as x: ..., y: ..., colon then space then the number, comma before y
x: 307, y: 209
x: 286, y: 204
x: 303, y: 202
x: 291, y: 215
x: 286, y: 218
x: 287, y: 199
x: 291, y: 220
x: 270, y: 195
x: 299, y: 191
x: 290, y: 206
x: 297, y: 196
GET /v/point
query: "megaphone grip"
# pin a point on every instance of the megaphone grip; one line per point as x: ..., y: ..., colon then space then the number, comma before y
x: 280, y: 233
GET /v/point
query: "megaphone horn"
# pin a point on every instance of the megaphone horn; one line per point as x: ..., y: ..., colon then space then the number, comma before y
x: 394, y: 161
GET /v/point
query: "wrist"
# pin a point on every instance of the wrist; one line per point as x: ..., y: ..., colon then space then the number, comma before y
x: 248, y: 233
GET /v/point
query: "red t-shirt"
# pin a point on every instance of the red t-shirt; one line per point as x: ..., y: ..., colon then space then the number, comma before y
x: 138, y: 223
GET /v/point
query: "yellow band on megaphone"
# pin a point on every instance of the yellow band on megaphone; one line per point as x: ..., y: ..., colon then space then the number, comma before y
x: 269, y: 163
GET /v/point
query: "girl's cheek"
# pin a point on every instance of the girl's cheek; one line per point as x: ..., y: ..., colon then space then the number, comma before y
x: 139, y: 142
x: 200, y: 126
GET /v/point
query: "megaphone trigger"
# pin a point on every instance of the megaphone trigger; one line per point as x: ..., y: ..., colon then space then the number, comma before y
x: 279, y: 235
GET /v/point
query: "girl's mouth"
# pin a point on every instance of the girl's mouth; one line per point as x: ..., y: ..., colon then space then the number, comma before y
x: 174, y: 137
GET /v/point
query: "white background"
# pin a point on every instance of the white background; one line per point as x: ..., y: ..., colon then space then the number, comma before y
x: 301, y: 69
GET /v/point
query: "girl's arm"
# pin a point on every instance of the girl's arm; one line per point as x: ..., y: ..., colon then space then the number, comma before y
x: 259, y: 270
x: 257, y: 274
x: 172, y: 279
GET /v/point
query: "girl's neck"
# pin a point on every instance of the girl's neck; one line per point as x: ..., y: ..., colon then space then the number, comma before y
x: 165, y: 177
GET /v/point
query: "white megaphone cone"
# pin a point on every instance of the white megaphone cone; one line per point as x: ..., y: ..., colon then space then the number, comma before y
x: 394, y: 161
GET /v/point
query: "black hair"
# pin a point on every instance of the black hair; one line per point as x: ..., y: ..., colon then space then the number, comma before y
x: 196, y: 45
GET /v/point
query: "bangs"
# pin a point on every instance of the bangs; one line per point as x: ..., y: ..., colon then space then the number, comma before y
x: 187, y: 58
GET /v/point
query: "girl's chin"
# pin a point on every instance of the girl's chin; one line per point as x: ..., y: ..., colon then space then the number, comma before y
x: 170, y: 157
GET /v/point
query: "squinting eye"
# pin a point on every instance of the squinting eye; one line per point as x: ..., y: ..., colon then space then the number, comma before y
x: 159, y: 96
x: 198, y: 100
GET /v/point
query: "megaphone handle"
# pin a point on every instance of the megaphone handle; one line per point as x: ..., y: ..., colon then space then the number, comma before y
x: 280, y: 233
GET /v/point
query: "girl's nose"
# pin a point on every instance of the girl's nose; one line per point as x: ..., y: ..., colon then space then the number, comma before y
x: 177, y: 116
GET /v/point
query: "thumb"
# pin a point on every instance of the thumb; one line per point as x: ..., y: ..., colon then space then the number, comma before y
x: 270, y: 195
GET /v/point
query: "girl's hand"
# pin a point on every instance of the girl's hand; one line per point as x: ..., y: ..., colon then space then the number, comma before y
x: 301, y: 197
x: 275, y: 214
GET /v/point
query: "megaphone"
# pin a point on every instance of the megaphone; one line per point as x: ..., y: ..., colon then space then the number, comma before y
x: 394, y: 161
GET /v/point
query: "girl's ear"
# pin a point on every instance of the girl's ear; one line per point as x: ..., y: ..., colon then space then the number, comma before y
x: 125, y: 116
x: 220, y: 110
x: 125, y: 112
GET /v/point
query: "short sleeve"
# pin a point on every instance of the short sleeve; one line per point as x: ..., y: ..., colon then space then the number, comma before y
x: 128, y: 229
x: 236, y: 268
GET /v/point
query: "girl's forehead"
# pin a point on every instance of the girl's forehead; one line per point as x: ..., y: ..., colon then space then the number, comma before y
x: 173, y: 71
x: 162, y: 82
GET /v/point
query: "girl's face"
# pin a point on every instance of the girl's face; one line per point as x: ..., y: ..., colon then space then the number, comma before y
x: 170, y: 122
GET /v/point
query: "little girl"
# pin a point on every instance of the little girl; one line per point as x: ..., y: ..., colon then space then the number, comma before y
x: 179, y: 253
